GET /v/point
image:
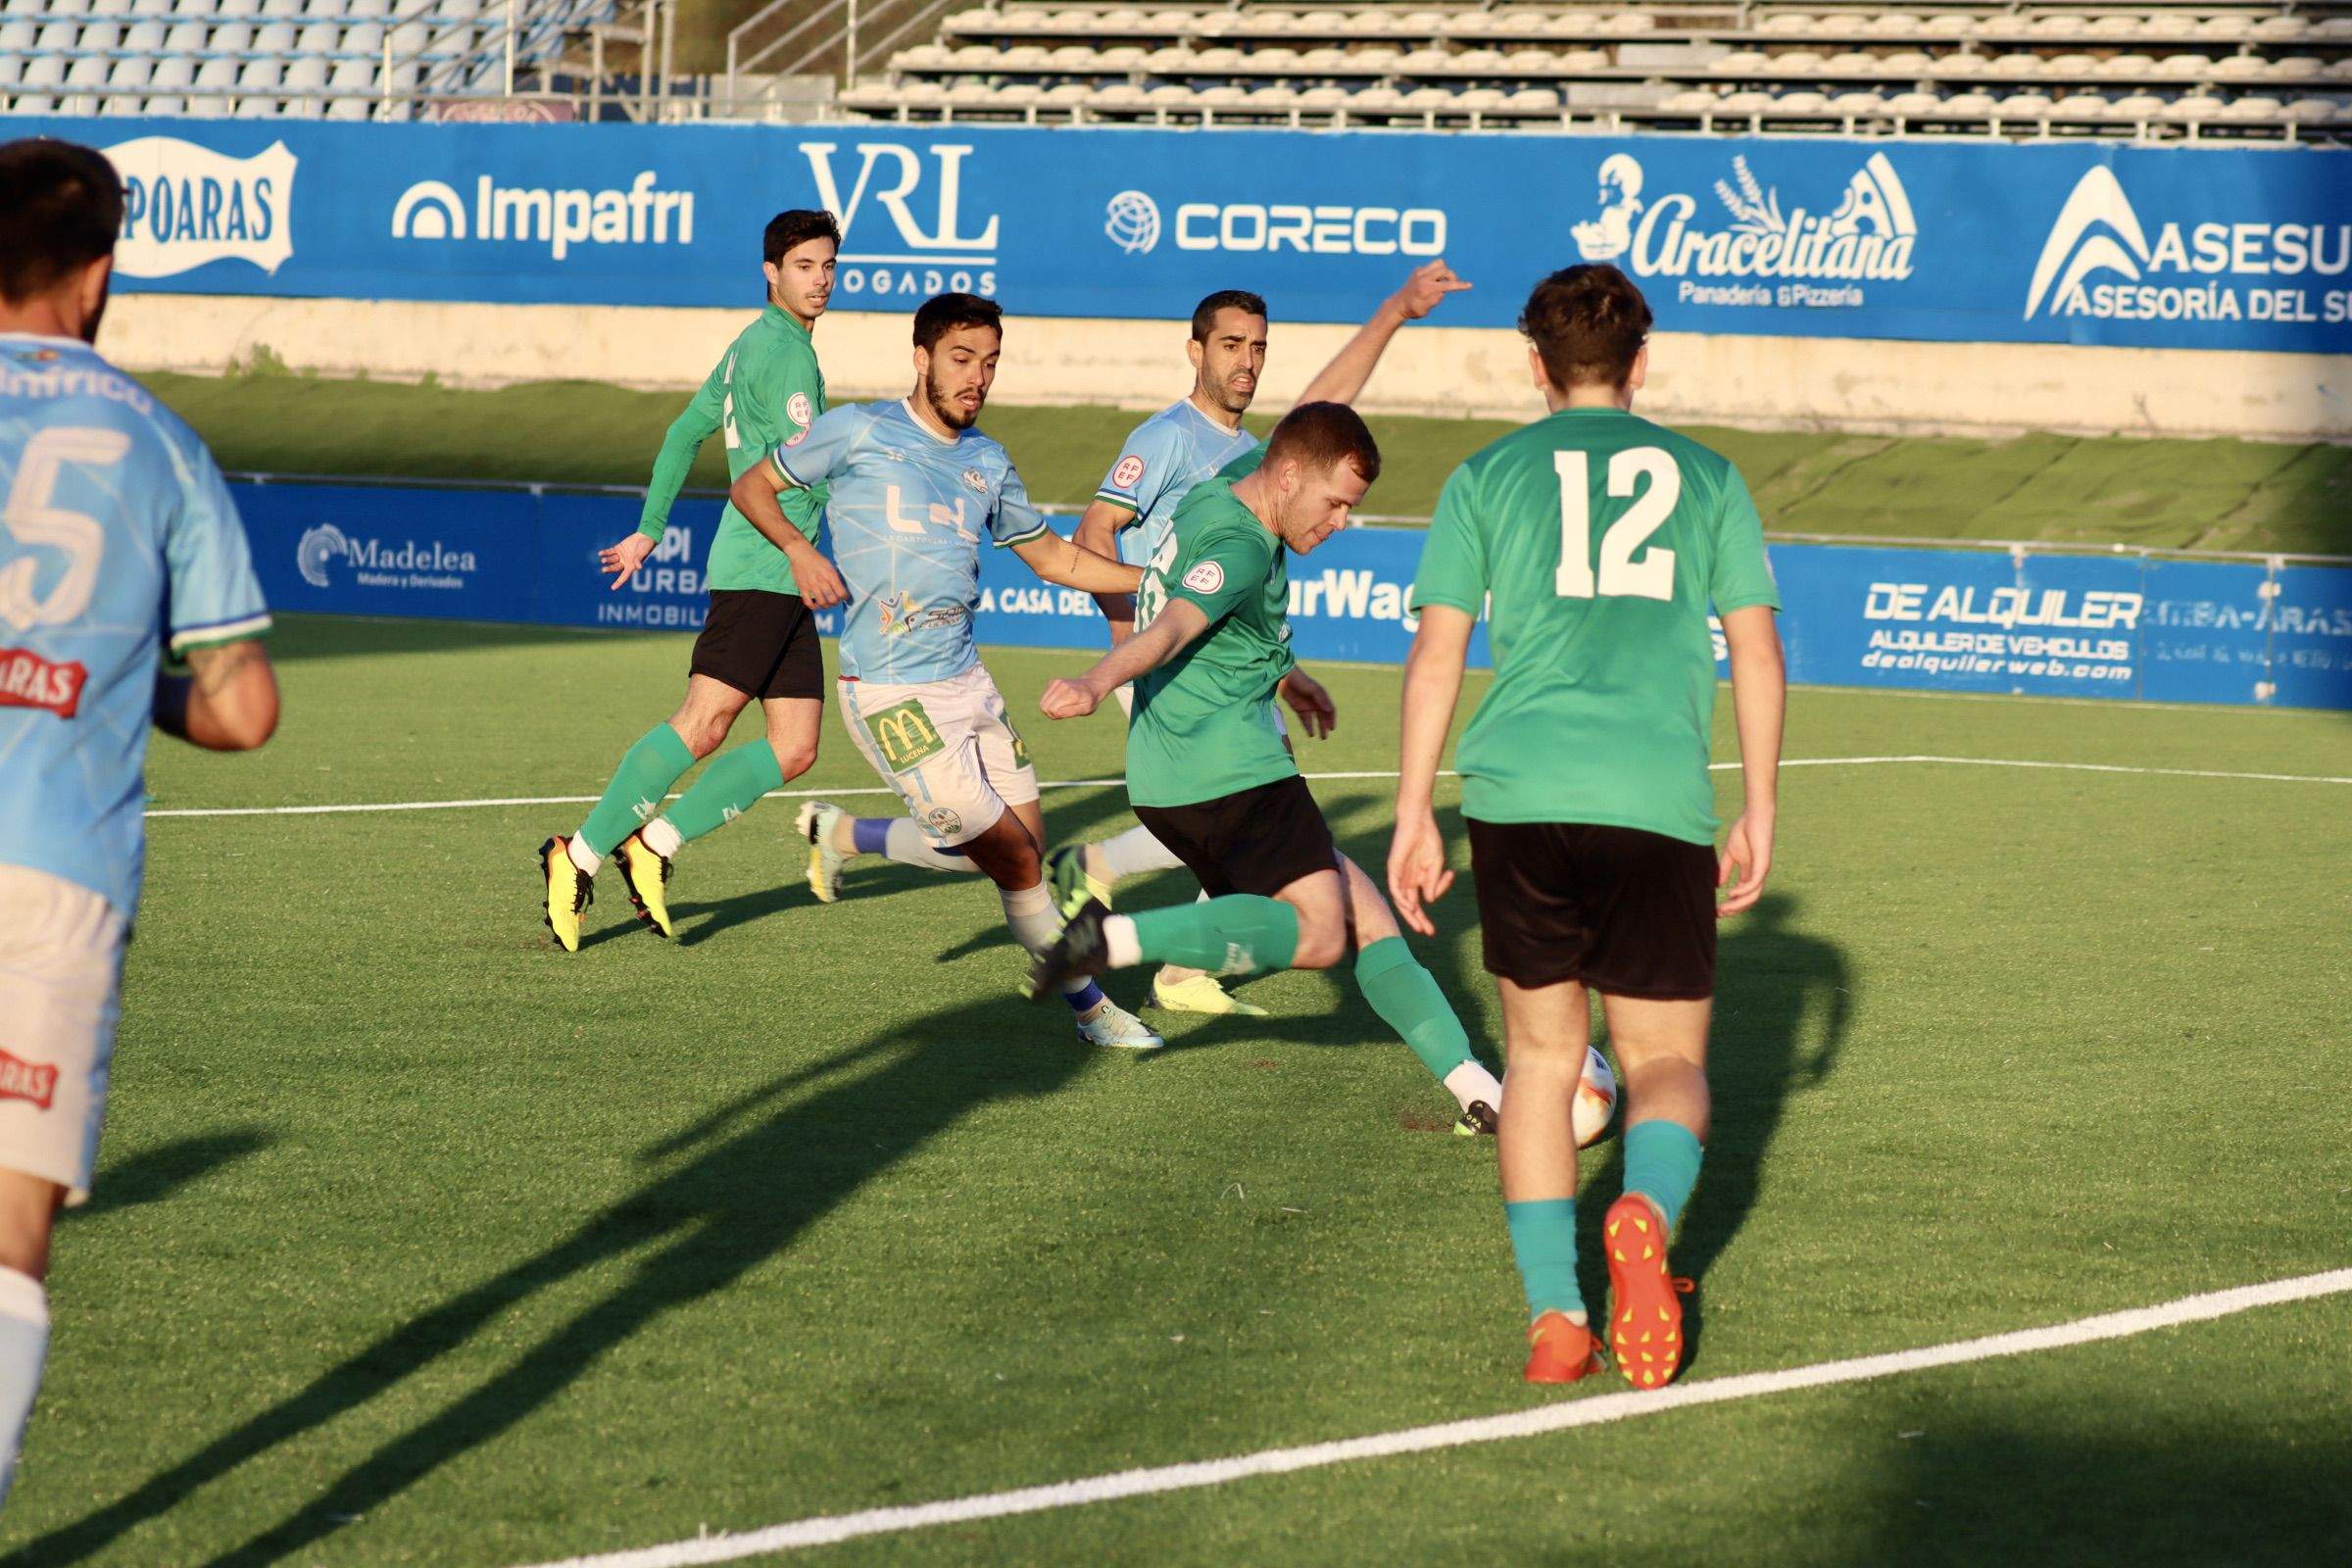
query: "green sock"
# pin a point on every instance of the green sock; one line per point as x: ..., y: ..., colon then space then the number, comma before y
x: 1543, y: 1241
x: 1661, y: 1163
x: 650, y: 767
x: 1231, y: 934
x: 729, y: 788
x: 1407, y: 999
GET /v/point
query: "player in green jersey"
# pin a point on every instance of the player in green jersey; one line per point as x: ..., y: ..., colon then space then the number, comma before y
x: 1210, y: 773
x: 759, y: 637
x: 1597, y: 541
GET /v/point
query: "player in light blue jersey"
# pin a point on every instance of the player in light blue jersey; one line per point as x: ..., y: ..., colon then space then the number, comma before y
x: 1134, y: 515
x: 915, y: 493
x: 115, y: 533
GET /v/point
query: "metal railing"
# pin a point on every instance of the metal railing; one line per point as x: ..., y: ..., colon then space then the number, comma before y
x: 841, y: 26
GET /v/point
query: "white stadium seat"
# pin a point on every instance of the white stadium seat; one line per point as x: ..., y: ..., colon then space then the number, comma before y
x: 1800, y: 103
x: 1850, y: 63
x: 2182, y: 66
x: 1914, y: 105
x: 1744, y: 103
x: 274, y: 38
x: 1692, y: 101
x: 2025, y: 106
x: 1481, y: 99
x: 2070, y: 66
x: 2253, y: 108
x: 1535, y: 100
x: 1789, y: 22
x: 1970, y: 105
x: 2136, y: 106
x: 2297, y: 67
x: 1907, y: 63
x: 134, y: 70
x: 17, y: 34
x: 1858, y: 102
x: 2081, y: 106
x: 2191, y: 111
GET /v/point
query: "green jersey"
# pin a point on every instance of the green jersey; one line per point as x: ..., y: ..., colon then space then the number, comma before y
x: 1205, y: 723
x: 1601, y: 539
x: 764, y: 393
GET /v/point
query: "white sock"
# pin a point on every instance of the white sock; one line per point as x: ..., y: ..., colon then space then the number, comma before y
x: 1035, y: 925
x: 662, y: 838
x: 1471, y: 1081
x: 586, y: 859
x: 1119, y: 942
x: 1132, y: 853
x: 908, y: 846
x: 24, y: 1347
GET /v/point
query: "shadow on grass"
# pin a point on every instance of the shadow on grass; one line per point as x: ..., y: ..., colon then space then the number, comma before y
x: 154, y: 1174
x: 734, y: 1191
x: 1971, y: 1491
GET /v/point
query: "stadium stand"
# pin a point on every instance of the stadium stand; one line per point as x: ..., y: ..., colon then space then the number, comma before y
x: 2156, y: 72
x: 2160, y: 71
x: 307, y: 59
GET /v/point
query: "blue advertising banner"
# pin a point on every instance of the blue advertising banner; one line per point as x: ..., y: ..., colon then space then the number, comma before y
x: 1975, y: 620
x: 2215, y: 248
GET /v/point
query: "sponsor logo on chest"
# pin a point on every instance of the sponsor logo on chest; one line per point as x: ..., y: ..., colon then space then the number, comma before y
x: 31, y: 1081
x: 28, y: 680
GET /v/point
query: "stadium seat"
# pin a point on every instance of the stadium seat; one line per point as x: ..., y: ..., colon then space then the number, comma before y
x: 2192, y: 110
x: 55, y: 38
x: 1120, y: 57
x: 131, y: 71
x: 1850, y: 63
x: 1798, y: 62
x: 2242, y: 68
x: 1424, y: 60
x: 1692, y: 101
x: 2314, y: 111
x: 1274, y: 57
x: 143, y: 37
x: 1962, y: 66
x: 275, y: 38
x: 184, y: 38
x: 2015, y: 65
x: 2135, y: 107
x: 17, y: 34
x: 1746, y: 103
x: 2114, y: 26
x: 1800, y: 103
x: 2024, y: 106
x: 1789, y: 24
x: 1858, y: 104
x: 1738, y: 62
x: 1914, y: 105
x: 2182, y: 66
x: 2079, y: 106
x: 1536, y: 101
x: 2070, y: 66
x: 2229, y: 26
x: 1422, y: 99
x: 1907, y: 63
x: 1971, y: 105
x: 2060, y: 24
x: 2297, y: 67
x: 2128, y: 68
x: 1480, y: 99
x: 2253, y: 108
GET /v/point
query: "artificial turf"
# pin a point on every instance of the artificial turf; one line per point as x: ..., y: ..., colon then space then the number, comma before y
x: 418, y: 1240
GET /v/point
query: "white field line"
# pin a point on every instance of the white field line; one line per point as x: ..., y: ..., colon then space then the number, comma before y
x: 1597, y: 1410
x: 1104, y: 783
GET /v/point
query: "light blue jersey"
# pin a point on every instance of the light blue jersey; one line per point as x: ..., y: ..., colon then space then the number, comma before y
x: 1164, y: 457
x: 115, y: 530
x: 909, y: 509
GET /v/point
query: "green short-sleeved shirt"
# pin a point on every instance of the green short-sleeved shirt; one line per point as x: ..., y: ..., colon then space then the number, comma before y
x: 766, y: 390
x: 1204, y: 722
x: 1602, y: 539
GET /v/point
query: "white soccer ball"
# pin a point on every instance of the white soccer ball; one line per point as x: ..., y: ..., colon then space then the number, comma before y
x: 1596, y: 1099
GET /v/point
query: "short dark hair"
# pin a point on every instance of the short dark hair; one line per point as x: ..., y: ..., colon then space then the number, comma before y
x: 1204, y: 314
x: 1318, y: 435
x: 1587, y: 325
x: 61, y: 207
x: 943, y: 313
x: 798, y: 226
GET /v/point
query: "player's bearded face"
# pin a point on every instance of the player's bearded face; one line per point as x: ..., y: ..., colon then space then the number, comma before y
x: 957, y: 373
x: 1318, y: 503
x: 1233, y: 358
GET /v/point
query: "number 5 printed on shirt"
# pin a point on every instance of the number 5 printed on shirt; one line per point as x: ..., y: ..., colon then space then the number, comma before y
x: 1621, y: 575
x: 33, y: 522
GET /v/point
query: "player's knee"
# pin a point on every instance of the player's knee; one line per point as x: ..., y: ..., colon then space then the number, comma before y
x: 1321, y: 944
x: 793, y: 756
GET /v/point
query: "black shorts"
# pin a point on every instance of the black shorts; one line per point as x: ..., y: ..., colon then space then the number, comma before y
x: 764, y: 645
x: 1258, y: 840
x: 1628, y: 912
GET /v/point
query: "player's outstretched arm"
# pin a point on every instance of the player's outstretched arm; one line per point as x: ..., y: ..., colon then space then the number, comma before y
x: 754, y: 492
x: 1343, y: 379
x: 1069, y: 565
x: 226, y: 701
x: 1433, y: 685
x: 1174, y: 630
x: 681, y: 444
x: 1760, y: 697
x: 1099, y: 531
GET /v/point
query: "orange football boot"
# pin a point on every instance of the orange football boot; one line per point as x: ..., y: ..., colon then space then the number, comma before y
x: 1646, y: 1307
x: 1560, y: 1349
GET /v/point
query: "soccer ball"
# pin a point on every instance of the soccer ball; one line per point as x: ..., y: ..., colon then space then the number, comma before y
x: 1596, y: 1099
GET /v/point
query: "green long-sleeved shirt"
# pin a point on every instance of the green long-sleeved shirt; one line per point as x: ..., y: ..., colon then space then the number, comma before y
x: 768, y: 390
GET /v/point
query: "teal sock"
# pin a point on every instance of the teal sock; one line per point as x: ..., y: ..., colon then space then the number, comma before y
x: 1661, y: 1163
x: 1543, y: 1241
x: 729, y: 788
x: 1407, y: 999
x: 650, y: 767
x: 1233, y: 935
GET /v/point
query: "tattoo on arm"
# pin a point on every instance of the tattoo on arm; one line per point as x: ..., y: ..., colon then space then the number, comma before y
x: 214, y: 668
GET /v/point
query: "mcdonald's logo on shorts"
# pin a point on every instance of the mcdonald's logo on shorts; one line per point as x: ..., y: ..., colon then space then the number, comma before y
x: 904, y: 735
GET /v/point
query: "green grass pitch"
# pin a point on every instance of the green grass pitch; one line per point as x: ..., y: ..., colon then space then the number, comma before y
x: 2128, y: 490
x: 419, y: 1242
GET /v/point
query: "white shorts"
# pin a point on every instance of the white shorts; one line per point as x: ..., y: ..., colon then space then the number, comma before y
x: 948, y: 749
x: 60, y: 977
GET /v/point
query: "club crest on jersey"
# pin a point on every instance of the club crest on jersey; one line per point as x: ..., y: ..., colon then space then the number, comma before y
x: 797, y: 436
x: 1206, y: 578
x: 974, y: 478
x: 798, y: 409
x: 1129, y: 471
x: 28, y: 680
x: 30, y: 1081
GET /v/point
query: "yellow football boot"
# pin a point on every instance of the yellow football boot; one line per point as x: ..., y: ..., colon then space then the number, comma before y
x: 569, y: 891
x: 646, y: 875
